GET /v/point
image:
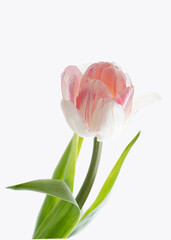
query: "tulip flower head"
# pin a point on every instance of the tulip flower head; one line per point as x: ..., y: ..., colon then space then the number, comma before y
x: 99, y: 102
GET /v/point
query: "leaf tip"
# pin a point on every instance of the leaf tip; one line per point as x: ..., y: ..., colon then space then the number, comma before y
x: 10, y: 187
x: 14, y: 187
x: 138, y: 134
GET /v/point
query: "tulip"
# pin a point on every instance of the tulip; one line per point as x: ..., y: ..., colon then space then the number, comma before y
x: 99, y: 102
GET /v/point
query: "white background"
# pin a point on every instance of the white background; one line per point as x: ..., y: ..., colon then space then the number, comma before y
x: 38, y: 40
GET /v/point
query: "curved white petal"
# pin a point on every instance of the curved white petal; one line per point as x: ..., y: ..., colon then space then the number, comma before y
x: 144, y: 99
x: 111, y: 121
x: 75, y: 119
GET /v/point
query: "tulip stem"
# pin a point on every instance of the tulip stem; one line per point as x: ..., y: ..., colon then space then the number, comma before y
x: 91, y: 174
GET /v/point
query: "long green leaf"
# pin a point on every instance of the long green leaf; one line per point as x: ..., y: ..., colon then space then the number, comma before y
x: 50, y: 201
x: 51, y: 205
x: 105, y: 190
x: 67, y: 213
x: 69, y: 172
x: 52, y: 187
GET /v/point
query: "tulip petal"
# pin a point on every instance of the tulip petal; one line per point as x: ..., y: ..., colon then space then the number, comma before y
x: 70, y: 83
x: 93, y: 72
x: 75, y: 119
x: 88, y: 98
x: 96, y: 115
x: 114, y: 78
x: 125, y: 98
x: 111, y: 120
x: 110, y: 74
x: 144, y: 100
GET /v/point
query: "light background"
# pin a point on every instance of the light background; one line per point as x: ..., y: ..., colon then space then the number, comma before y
x: 38, y: 40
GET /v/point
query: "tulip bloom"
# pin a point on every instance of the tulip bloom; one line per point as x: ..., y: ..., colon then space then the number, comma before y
x: 97, y: 103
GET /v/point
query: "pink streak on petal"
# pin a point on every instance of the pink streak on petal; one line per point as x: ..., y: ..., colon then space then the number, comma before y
x: 93, y: 72
x: 111, y: 75
x: 70, y: 83
x: 125, y: 98
x: 114, y: 79
x: 89, y: 96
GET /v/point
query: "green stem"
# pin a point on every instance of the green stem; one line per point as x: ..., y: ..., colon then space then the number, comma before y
x: 91, y: 174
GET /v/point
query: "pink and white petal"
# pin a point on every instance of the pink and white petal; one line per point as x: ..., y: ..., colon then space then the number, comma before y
x: 93, y: 72
x: 111, y: 121
x: 75, y: 119
x: 144, y: 100
x: 127, y: 77
x: 89, y: 96
x: 70, y: 83
x: 84, y: 102
x: 96, y: 115
x: 125, y: 98
x: 101, y: 91
x: 120, y: 81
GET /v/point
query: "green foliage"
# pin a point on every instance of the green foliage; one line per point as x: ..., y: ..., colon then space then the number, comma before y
x: 66, y: 211
x: 59, y: 216
x: 105, y: 190
x: 52, y: 187
x: 59, y: 212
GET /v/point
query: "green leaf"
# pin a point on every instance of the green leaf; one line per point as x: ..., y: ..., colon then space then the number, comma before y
x: 60, y: 222
x: 50, y: 201
x: 50, y: 205
x: 69, y: 172
x: 59, y: 212
x: 52, y: 187
x: 105, y: 190
x: 67, y: 211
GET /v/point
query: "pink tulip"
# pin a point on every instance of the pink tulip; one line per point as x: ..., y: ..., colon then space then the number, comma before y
x: 97, y: 103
